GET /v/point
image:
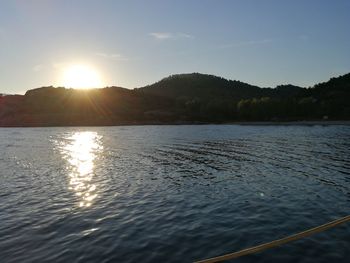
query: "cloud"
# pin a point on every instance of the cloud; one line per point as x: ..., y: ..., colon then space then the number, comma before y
x: 38, y: 67
x: 184, y: 35
x: 111, y: 56
x: 247, y: 43
x: 161, y: 36
x: 168, y: 35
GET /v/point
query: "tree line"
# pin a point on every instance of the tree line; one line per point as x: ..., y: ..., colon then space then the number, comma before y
x: 183, y: 98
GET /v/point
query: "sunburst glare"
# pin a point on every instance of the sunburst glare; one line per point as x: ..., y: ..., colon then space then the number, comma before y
x: 81, y: 76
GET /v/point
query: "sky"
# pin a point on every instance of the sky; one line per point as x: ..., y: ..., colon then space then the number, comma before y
x: 135, y: 43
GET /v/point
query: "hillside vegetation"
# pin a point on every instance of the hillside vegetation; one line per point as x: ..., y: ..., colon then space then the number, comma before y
x: 183, y: 98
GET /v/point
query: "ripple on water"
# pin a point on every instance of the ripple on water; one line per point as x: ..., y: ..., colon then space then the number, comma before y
x: 172, y: 193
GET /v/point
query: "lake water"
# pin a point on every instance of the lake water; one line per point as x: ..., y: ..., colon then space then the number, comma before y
x: 172, y: 193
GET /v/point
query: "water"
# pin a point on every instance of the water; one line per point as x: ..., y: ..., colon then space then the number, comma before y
x: 172, y: 193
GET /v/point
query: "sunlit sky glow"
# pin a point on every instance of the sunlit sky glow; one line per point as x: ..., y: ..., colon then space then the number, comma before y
x: 80, y: 76
x: 134, y: 43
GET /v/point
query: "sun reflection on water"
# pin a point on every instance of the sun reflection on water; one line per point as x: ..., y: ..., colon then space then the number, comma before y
x: 81, y: 151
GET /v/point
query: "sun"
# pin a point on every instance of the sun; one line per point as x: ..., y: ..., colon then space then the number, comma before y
x: 81, y: 76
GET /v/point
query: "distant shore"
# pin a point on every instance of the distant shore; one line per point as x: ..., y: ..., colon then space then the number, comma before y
x: 246, y: 123
x: 287, y: 123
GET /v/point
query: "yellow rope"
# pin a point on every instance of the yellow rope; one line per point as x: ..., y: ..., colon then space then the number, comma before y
x: 277, y: 242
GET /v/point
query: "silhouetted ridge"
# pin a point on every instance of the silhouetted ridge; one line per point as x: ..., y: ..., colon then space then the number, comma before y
x: 200, y: 85
x: 182, y: 98
x: 288, y: 90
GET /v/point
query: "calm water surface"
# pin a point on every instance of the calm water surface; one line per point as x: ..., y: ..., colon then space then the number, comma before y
x: 172, y: 193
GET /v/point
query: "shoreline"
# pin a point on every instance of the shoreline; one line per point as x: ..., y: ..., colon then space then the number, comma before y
x: 291, y: 123
x: 242, y: 123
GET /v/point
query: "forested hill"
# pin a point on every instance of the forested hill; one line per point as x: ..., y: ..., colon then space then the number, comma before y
x: 183, y: 98
x: 201, y: 86
x: 208, y: 97
x: 207, y: 87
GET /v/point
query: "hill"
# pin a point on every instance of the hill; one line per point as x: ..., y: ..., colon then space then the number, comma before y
x: 201, y: 86
x: 210, y: 98
x: 183, y: 98
x: 208, y: 86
